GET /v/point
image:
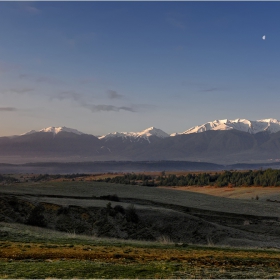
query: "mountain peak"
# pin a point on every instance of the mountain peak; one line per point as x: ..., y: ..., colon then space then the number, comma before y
x: 269, y: 125
x: 152, y: 131
x: 269, y: 120
x: 146, y: 133
x: 55, y: 130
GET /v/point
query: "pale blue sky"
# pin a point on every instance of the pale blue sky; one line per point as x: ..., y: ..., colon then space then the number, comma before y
x: 101, y: 67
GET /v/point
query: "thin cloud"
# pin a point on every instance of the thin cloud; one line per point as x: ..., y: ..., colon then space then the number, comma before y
x: 7, y: 109
x: 176, y: 23
x: 212, y: 89
x: 29, y: 8
x: 106, y: 108
x: 112, y: 94
x: 7, y: 67
x: 81, y: 38
x: 179, y: 48
x: 41, y: 79
x: 23, y: 76
x: 32, y: 10
x: 143, y: 107
x: 18, y: 90
x: 48, y: 80
x: 70, y: 94
x: 82, y: 101
x: 205, y: 87
x: 87, y: 81
x: 194, y: 84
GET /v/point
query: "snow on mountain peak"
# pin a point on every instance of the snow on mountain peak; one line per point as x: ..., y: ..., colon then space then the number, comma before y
x: 269, y: 125
x: 152, y: 131
x: 146, y: 133
x: 56, y: 130
x: 269, y: 120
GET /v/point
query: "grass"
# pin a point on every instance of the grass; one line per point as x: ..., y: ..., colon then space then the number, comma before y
x: 30, y: 252
x: 82, y: 269
x: 153, y: 270
x: 185, y: 264
x: 88, y: 189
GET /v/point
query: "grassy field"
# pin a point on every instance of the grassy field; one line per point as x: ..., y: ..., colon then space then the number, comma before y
x: 31, y: 252
x: 88, y: 189
x: 34, y: 252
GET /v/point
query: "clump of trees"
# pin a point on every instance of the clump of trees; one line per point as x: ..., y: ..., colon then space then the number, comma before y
x: 131, y: 179
x: 268, y: 177
x: 129, y: 213
x: 36, y: 218
x: 48, y: 177
x: 8, y: 179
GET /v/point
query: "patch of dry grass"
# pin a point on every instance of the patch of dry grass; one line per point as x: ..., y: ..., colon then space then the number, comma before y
x: 42, y: 253
x: 206, y: 256
x: 248, y: 193
x: 84, y: 261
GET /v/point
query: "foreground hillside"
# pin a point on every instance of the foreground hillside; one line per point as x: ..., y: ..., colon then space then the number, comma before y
x: 71, y: 227
x: 142, y: 213
x: 36, y: 253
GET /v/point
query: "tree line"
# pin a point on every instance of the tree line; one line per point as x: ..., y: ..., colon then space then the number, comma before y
x: 268, y: 177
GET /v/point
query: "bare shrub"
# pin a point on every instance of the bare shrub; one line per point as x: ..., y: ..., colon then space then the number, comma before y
x: 209, y: 241
x: 164, y: 239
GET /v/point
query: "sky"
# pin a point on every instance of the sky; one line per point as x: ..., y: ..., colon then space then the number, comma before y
x: 102, y: 67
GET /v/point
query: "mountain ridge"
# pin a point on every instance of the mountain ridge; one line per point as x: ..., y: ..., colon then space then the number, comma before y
x: 253, y: 127
x: 214, y: 145
x: 55, y: 130
x: 270, y: 125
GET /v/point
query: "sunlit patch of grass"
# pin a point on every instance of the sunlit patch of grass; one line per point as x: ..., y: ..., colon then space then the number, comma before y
x: 153, y: 269
x: 82, y: 269
x: 78, y: 259
x: 31, y: 252
x: 201, y: 256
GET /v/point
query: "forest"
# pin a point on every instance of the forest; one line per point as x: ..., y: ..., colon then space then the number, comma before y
x: 268, y: 177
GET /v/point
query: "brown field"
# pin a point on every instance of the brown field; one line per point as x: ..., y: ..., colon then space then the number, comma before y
x: 263, y: 193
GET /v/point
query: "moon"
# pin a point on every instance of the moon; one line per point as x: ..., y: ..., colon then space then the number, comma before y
x: 263, y: 37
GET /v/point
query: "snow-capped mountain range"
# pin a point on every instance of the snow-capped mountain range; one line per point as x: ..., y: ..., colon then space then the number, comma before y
x: 269, y: 125
x: 146, y: 134
x: 252, y: 127
x: 55, y: 130
x: 228, y: 141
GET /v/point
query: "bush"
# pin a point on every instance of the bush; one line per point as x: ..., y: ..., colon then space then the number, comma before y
x: 36, y: 217
x: 131, y: 214
x: 119, y: 209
